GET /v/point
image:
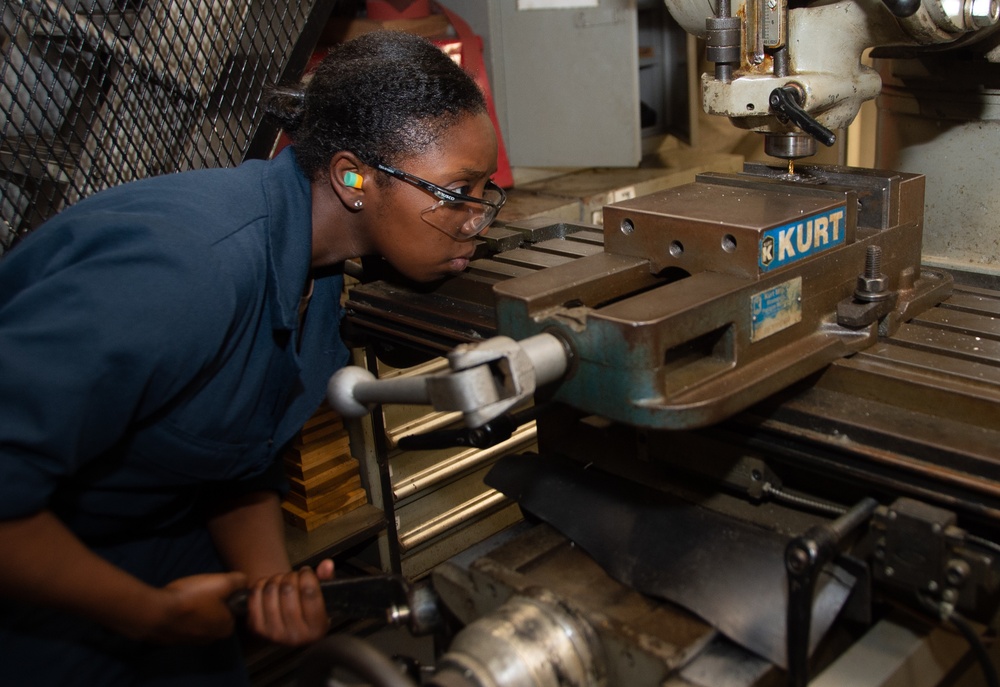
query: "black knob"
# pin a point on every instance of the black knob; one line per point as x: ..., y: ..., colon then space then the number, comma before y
x: 902, y: 8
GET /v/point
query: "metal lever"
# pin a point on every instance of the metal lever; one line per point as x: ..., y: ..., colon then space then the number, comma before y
x: 485, y: 380
x: 388, y: 596
x: 805, y: 557
x: 786, y: 103
x: 490, y: 434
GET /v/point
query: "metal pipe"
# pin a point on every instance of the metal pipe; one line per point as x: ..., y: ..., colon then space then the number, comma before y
x: 781, y: 65
x: 421, y: 425
x: 461, y: 462
x: 462, y: 513
x: 548, y: 355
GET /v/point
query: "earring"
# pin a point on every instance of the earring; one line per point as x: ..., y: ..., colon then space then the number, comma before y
x: 359, y: 203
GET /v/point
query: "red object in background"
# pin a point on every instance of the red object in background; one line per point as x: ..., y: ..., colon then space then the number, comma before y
x: 470, y: 50
x: 466, y: 49
x: 391, y: 10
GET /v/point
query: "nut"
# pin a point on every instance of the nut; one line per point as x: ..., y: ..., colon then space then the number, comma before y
x: 872, y: 288
x: 982, y: 13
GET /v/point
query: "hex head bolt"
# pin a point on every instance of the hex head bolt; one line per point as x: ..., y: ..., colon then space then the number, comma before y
x: 872, y: 284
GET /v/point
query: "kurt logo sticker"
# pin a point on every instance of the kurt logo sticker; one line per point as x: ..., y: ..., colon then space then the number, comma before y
x: 797, y: 240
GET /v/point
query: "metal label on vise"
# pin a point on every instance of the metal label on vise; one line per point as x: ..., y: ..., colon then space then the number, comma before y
x: 797, y: 240
x: 775, y: 309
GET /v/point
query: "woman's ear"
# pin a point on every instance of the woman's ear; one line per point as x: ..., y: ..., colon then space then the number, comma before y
x: 347, y: 179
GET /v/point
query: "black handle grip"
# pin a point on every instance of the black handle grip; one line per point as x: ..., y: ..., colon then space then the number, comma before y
x: 237, y: 603
x: 492, y: 433
x: 361, y: 597
x: 786, y: 103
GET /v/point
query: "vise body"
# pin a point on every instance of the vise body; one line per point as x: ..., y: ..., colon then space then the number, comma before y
x: 713, y: 295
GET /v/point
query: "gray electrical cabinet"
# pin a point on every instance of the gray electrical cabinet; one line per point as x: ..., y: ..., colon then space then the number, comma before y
x: 582, y: 83
x: 565, y: 81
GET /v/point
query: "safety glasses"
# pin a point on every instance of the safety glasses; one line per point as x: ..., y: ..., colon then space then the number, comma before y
x: 459, y: 216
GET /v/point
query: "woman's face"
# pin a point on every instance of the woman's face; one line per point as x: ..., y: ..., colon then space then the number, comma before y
x: 402, y: 232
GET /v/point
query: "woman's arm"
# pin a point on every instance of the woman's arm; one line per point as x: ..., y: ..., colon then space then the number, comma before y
x: 283, y: 606
x: 249, y: 534
x: 42, y: 562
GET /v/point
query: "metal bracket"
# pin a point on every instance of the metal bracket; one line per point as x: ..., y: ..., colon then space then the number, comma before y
x: 920, y: 550
x: 854, y: 313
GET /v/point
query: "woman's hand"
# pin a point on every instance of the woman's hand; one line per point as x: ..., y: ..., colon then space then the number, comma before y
x: 46, y: 564
x: 288, y: 608
x: 283, y: 606
x: 190, y: 610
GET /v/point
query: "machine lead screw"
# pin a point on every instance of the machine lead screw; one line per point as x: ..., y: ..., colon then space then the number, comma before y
x: 873, y: 262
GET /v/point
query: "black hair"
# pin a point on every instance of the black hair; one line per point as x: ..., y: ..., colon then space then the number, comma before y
x: 384, y: 95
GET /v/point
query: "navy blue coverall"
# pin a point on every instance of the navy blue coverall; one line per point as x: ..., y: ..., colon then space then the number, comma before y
x: 152, y: 363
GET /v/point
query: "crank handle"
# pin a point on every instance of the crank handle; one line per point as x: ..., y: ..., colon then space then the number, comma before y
x: 387, y: 597
x: 484, y: 380
x: 786, y: 103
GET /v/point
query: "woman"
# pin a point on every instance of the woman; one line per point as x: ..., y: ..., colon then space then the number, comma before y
x: 162, y: 341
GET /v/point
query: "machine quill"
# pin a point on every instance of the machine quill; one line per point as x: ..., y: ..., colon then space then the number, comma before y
x: 767, y: 404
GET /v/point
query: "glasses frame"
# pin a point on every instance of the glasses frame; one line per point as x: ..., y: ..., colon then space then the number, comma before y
x: 445, y: 195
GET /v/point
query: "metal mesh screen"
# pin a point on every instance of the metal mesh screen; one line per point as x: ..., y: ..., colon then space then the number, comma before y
x: 94, y: 93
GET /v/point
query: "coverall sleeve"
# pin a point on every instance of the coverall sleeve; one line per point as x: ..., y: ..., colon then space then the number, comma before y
x: 98, y: 330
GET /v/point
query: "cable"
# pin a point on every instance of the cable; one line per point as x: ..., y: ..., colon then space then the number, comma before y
x: 971, y: 636
x: 978, y: 648
x: 985, y: 543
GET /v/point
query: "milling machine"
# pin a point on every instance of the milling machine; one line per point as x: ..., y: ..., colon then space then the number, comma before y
x: 768, y: 422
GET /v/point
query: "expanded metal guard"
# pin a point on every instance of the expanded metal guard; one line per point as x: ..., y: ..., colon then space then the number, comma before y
x: 94, y: 93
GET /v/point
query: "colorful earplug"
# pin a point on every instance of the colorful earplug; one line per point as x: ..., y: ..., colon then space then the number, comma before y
x: 353, y: 180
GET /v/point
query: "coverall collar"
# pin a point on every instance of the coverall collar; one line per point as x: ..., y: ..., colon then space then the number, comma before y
x: 289, y: 197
